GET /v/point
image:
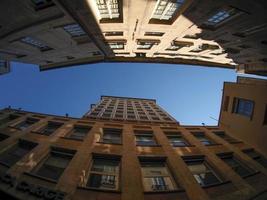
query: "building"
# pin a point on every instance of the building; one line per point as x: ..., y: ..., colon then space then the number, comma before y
x: 124, y: 148
x: 4, y: 67
x: 59, y: 33
x: 244, y: 111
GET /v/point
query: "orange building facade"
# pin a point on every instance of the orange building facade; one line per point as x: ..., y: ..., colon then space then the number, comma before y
x: 124, y: 148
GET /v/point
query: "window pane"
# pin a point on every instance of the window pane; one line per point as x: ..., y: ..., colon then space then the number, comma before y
x: 54, y: 166
x: 237, y: 166
x: 203, y: 173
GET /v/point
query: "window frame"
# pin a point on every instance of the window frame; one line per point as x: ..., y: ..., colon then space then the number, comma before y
x: 142, y: 133
x: 201, y: 159
x: 160, y: 162
x: 235, y: 107
x: 112, y: 159
x: 59, y: 152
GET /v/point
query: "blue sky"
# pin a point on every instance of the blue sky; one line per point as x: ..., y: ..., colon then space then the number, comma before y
x: 191, y: 94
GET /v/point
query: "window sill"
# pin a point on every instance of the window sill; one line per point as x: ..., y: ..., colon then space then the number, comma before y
x: 40, y: 177
x: 216, y: 184
x: 184, y: 146
x: 252, y: 174
x: 165, y: 191
x: 69, y: 138
x: 39, y: 133
x: 109, y: 143
x: 148, y: 145
x: 4, y: 164
x: 10, y: 126
x: 100, y: 190
x: 236, y: 142
x: 212, y: 144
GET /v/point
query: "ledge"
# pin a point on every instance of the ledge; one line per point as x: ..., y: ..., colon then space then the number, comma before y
x: 166, y: 191
x: 99, y: 190
x: 40, y: 177
x: 109, y: 143
x: 154, y: 145
x: 69, y: 138
x: 217, y: 184
x: 252, y: 174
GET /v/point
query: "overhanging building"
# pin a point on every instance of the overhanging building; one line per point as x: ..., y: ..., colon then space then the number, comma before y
x: 124, y: 148
x: 59, y: 33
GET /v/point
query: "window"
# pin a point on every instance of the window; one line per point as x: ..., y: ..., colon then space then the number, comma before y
x: 113, y: 33
x: 116, y: 44
x: 166, y: 9
x: 112, y: 136
x: 265, y: 116
x: 177, y: 140
x: 243, y: 107
x: 75, y: 30
x: 176, y: 45
x: 221, y: 16
x: 202, y: 171
x: 204, y: 47
x: 203, y: 139
x: 256, y: 156
x: 79, y: 132
x: 154, y: 34
x: 239, y: 167
x: 104, y: 174
x: 8, y: 119
x: 3, y: 137
x: 42, y: 4
x: 26, y: 124
x: 156, y: 176
x: 108, y: 9
x: 145, y: 138
x: 54, y: 165
x: 146, y: 44
x: 13, y: 154
x: 226, y: 103
x: 35, y: 43
x: 227, y: 138
x: 50, y: 128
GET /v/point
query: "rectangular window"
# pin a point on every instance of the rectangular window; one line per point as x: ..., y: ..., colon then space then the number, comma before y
x: 104, y: 174
x: 75, y: 30
x: 256, y: 156
x: 8, y: 119
x: 79, y: 132
x: 202, y: 171
x: 3, y: 137
x: 226, y: 103
x: 50, y: 128
x: 108, y: 9
x: 42, y: 4
x: 146, y: 44
x: 204, y: 47
x: 13, y: 154
x: 113, y: 33
x: 226, y: 137
x: 265, y: 116
x: 243, y: 107
x: 54, y: 165
x: 177, y: 140
x: 26, y: 123
x: 145, y: 138
x: 116, y: 45
x: 111, y: 136
x: 156, y: 176
x: 176, y: 45
x: 154, y: 34
x: 221, y: 16
x: 203, y: 138
x: 35, y: 43
x: 166, y: 9
x: 239, y: 167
